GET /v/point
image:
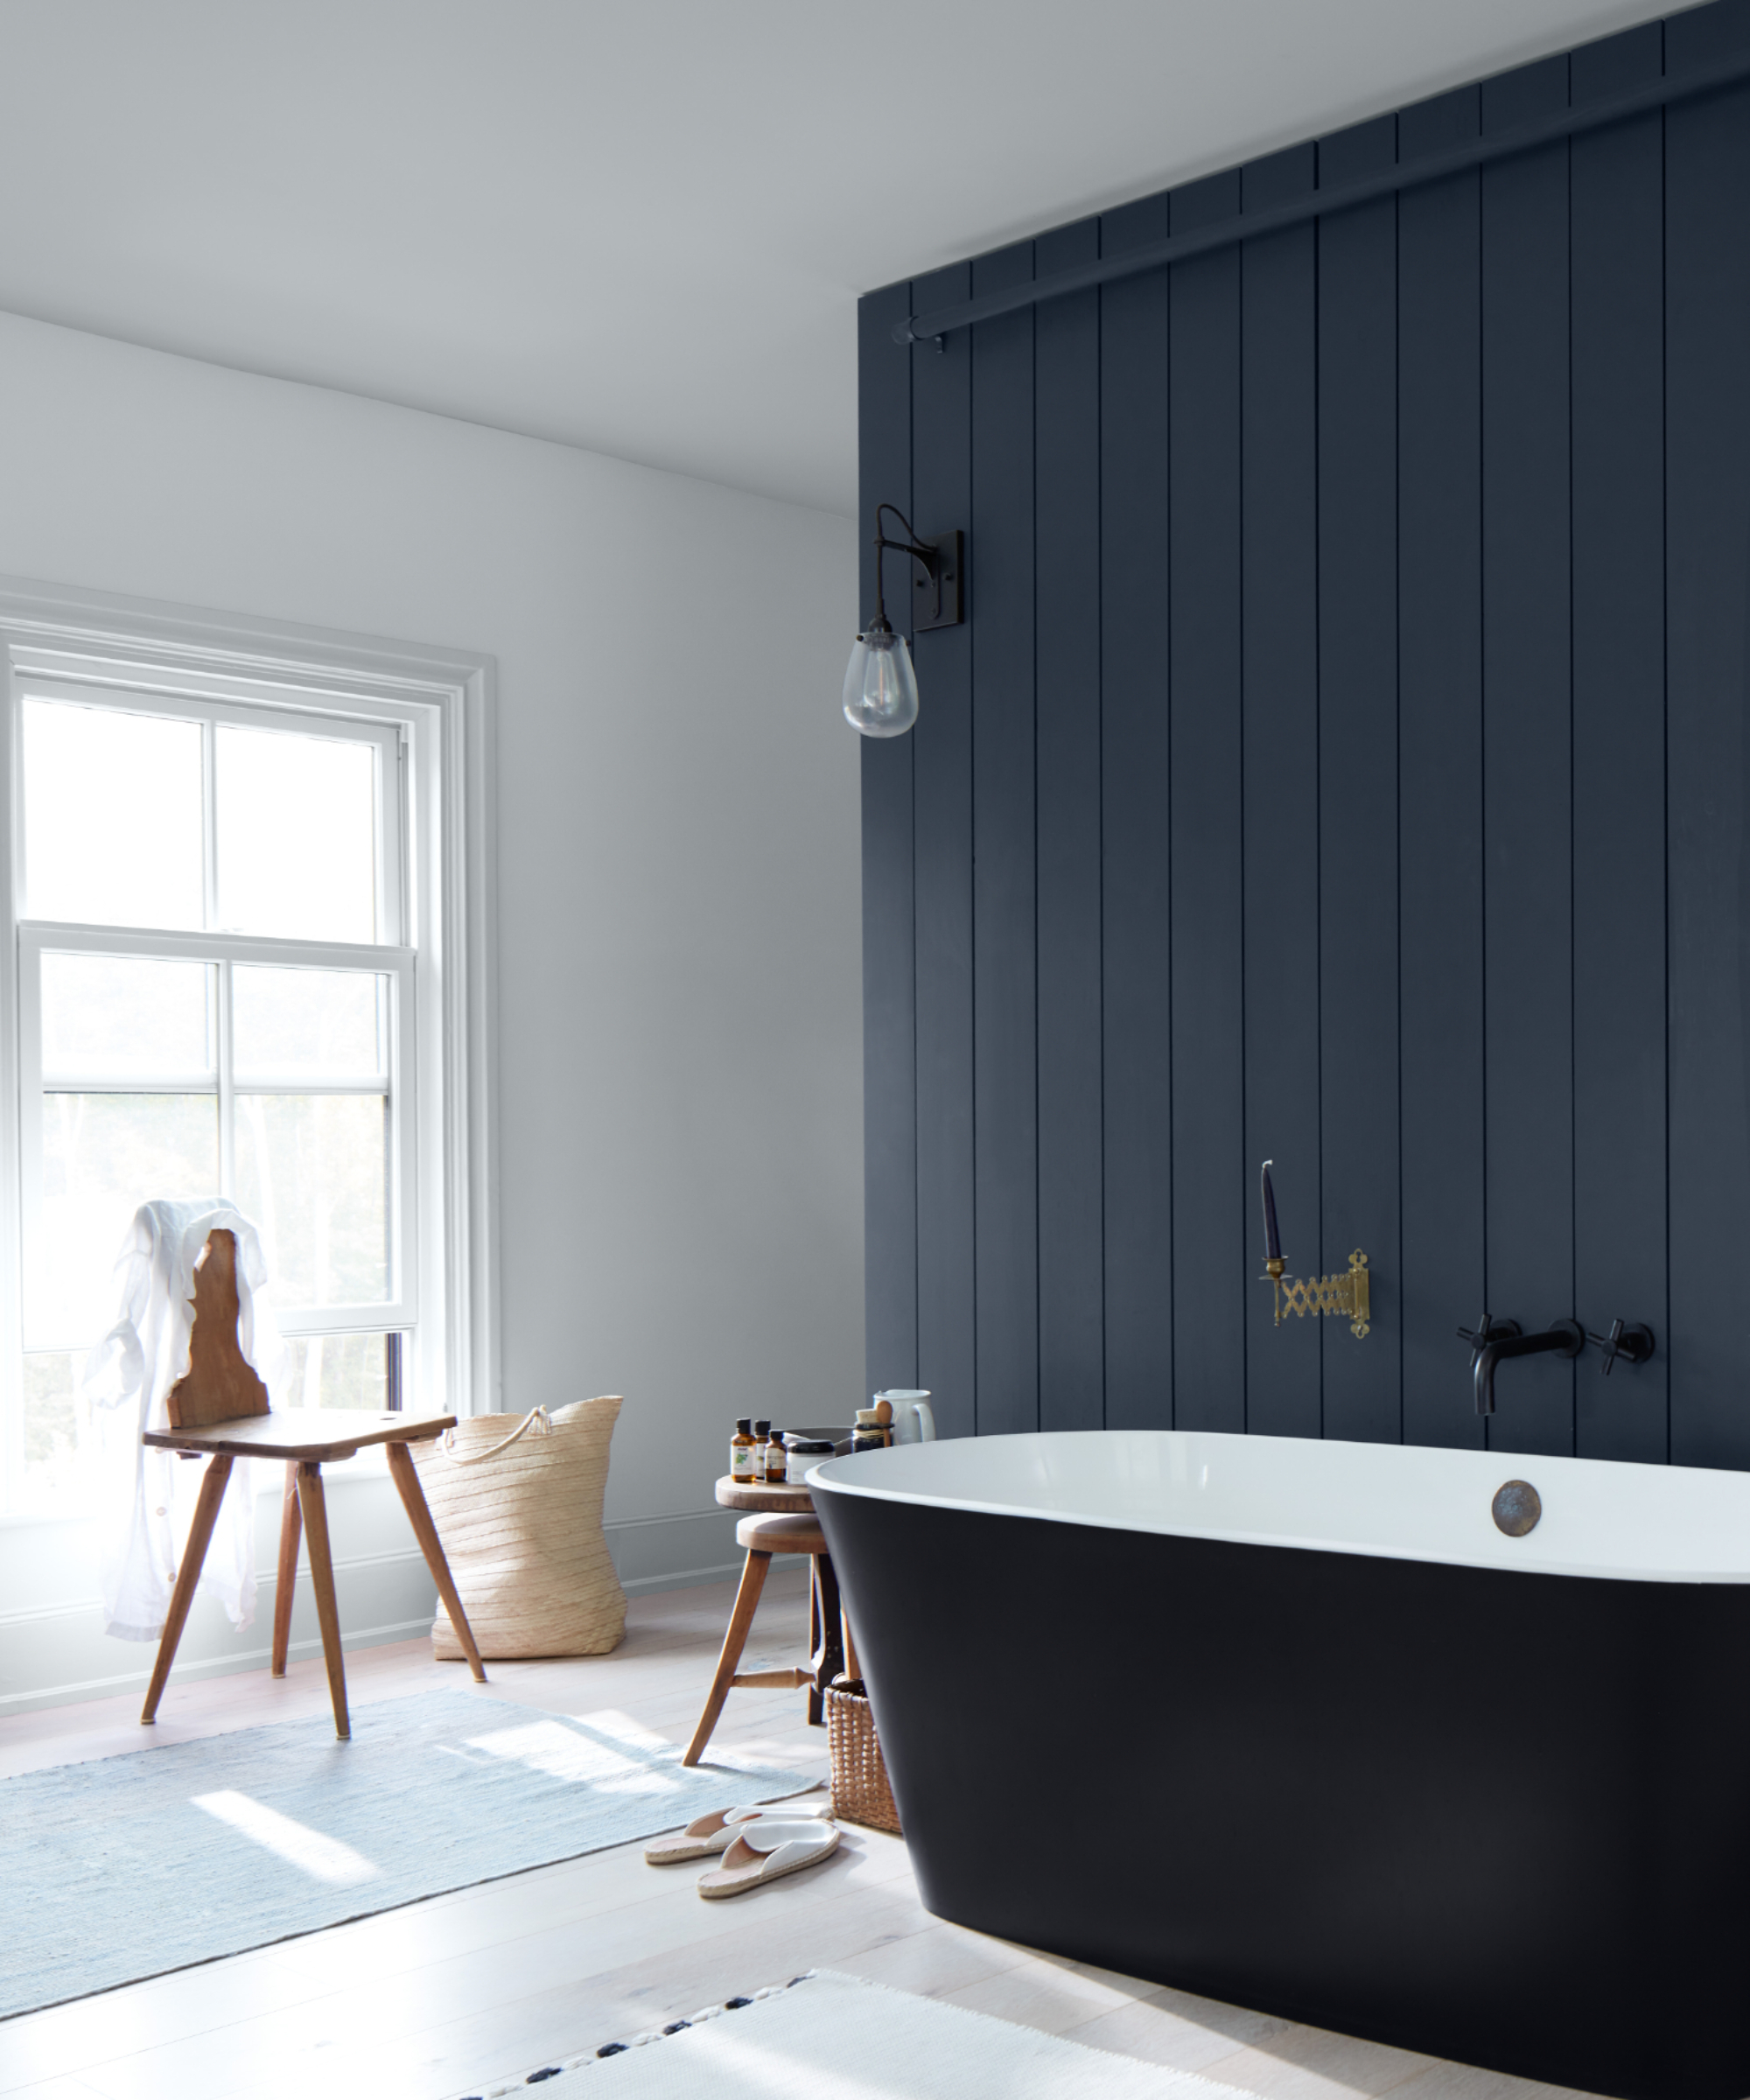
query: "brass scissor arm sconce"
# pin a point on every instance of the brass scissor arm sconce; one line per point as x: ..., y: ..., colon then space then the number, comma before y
x: 1349, y: 1297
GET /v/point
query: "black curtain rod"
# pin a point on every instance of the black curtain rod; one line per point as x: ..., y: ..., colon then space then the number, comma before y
x: 1245, y: 226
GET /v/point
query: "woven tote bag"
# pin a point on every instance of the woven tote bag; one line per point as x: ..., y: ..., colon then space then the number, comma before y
x: 518, y: 1504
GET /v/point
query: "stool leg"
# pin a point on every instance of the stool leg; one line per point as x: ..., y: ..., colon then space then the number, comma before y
x: 322, y: 1581
x: 406, y: 1477
x: 747, y: 1603
x: 826, y: 1657
x: 816, y: 1704
x: 831, y: 1660
x: 290, y: 1530
x: 200, y: 1536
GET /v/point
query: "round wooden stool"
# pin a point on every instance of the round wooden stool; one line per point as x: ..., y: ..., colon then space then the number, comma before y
x: 770, y: 1535
x: 759, y: 1538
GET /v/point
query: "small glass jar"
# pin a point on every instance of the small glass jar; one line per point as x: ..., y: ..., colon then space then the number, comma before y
x: 762, y: 1435
x: 777, y: 1460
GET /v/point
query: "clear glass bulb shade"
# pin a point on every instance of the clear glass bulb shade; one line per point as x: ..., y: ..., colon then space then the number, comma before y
x: 880, y: 686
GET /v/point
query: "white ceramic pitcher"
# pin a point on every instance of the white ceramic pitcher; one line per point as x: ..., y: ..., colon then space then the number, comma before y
x: 912, y: 1421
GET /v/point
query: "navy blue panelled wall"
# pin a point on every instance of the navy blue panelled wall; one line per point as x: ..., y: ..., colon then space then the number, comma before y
x: 1343, y: 761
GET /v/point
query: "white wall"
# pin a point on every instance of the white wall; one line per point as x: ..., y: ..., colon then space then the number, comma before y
x: 679, y: 1024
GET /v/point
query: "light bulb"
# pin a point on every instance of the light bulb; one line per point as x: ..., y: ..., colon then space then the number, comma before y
x: 880, y: 686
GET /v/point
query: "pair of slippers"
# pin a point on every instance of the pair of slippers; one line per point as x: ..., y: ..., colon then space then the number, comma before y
x: 756, y: 1847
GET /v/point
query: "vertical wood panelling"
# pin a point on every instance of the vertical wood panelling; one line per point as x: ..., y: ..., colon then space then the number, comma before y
x: 1005, y: 1069
x: 1066, y: 624
x: 1358, y: 777
x: 1527, y: 757
x: 1707, y: 335
x: 942, y: 758
x: 1617, y: 178
x: 1209, y: 1273
x: 1135, y: 617
x: 890, y: 1155
x: 1344, y: 761
x: 1280, y: 579
x: 1439, y: 500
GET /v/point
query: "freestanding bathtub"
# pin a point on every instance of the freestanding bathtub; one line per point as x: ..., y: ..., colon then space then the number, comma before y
x: 1295, y: 1725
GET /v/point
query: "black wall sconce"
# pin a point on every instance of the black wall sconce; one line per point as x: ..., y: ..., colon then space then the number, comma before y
x: 880, y: 684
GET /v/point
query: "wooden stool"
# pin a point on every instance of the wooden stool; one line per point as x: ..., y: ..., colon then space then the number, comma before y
x: 760, y: 1537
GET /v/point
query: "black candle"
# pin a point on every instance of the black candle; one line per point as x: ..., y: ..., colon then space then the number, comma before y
x: 1273, y: 1238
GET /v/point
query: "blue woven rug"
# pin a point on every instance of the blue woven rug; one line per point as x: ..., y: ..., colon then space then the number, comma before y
x: 130, y: 1866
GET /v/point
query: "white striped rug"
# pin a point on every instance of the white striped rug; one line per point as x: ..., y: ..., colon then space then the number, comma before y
x: 823, y: 2036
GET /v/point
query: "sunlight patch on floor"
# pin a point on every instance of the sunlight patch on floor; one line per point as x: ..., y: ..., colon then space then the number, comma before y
x: 322, y: 1857
x: 572, y: 1750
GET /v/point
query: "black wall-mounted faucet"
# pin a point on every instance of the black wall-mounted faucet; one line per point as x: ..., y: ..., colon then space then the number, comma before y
x: 1493, y: 1341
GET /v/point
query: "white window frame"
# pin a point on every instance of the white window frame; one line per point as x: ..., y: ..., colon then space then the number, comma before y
x: 399, y: 1309
x: 434, y: 705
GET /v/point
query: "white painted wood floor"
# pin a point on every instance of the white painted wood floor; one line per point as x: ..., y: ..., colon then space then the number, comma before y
x: 431, y: 2001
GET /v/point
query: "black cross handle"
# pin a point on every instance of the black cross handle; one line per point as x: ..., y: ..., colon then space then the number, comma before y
x: 1485, y: 1330
x: 1635, y: 1344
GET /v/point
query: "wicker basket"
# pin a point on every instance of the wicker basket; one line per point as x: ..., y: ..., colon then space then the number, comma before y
x: 518, y: 1506
x: 860, y: 1792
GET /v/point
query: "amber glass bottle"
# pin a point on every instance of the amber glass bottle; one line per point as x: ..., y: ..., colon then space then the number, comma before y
x: 741, y: 1449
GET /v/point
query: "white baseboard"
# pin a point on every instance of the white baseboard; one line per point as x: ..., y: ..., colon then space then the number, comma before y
x: 666, y: 1553
x: 685, y: 1578
x: 53, y: 1650
x: 266, y: 1579
x: 210, y: 1666
x: 679, y: 1578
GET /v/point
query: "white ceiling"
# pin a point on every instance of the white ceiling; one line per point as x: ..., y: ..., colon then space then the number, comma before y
x: 640, y: 228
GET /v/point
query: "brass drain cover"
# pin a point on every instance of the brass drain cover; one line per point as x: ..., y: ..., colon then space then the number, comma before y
x: 1516, y: 1508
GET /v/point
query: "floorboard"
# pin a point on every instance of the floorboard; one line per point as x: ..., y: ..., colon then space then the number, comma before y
x: 431, y: 2001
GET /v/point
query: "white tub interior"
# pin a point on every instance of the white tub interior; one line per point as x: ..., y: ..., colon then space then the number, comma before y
x: 1661, y: 1523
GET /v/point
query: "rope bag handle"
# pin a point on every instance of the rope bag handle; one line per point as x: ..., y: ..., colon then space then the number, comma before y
x: 446, y: 1443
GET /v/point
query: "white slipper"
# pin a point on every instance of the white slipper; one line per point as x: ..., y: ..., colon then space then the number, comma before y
x: 711, y: 1834
x: 703, y: 1837
x: 766, y: 1851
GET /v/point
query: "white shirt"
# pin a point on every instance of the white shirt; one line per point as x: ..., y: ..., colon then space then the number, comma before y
x: 148, y: 1495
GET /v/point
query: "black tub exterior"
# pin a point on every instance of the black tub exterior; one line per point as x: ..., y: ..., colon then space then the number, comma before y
x: 1498, y: 1816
